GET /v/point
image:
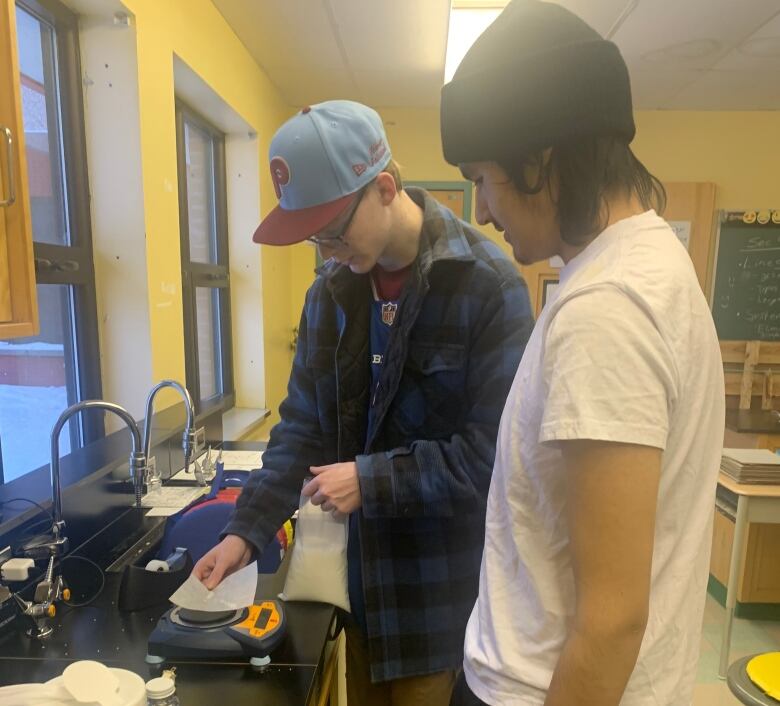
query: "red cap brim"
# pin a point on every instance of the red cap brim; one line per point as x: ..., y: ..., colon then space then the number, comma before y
x: 281, y: 227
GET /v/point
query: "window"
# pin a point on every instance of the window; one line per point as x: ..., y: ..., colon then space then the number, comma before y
x: 204, y: 257
x: 41, y: 376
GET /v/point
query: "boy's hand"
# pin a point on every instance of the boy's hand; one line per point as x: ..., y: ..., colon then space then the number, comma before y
x: 230, y: 555
x: 335, y: 487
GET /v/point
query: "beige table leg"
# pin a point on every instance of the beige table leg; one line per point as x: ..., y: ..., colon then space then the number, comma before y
x: 735, y: 571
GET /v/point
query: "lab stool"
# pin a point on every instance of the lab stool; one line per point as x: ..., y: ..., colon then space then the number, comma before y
x: 743, y: 688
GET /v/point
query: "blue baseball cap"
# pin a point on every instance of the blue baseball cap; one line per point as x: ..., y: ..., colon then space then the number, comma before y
x: 319, y: 158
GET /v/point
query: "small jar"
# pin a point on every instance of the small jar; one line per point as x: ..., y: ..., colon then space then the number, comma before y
x: 154, y: 485
x: 161, y: 692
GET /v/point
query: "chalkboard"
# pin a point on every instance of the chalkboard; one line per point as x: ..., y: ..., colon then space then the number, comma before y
x: 746, y: 299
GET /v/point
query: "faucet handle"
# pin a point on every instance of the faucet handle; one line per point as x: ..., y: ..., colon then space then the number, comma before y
x: 45, y: 545
x: 197, y: 440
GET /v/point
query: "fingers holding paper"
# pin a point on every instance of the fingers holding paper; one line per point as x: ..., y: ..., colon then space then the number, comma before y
x: 230, y: 555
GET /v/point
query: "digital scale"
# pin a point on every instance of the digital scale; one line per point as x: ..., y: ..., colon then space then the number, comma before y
x: 252, y: 632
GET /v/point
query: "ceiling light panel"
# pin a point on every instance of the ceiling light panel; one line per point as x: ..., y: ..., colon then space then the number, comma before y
x: 466, y: 24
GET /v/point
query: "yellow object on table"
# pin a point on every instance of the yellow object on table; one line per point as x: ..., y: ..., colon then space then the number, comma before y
x: 764, y: 672
x: 288, y: 531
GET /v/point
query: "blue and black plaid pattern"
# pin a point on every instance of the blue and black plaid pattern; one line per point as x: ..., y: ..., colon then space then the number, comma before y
x: 462, y: 324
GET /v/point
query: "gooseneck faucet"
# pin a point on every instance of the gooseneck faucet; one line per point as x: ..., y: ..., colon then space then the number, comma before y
x: 137, y: 456
x: 50, y: 546
x: 187, y: 436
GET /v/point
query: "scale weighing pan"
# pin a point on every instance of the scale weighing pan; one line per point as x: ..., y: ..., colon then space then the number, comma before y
x: 252, y: 632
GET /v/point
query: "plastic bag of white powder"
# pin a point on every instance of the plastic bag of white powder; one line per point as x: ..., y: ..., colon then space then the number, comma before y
x: 318, y: 566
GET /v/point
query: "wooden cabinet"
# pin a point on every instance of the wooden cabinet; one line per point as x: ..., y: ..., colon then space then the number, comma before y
x: 760, y: 579
x: 18, y: 301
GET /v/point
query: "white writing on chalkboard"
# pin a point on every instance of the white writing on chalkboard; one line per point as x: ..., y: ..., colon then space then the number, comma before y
x: 751, y: 261
x: 768, y: 295
x: 746, y: 305
x: 762, y: 244
x: 763, y: 316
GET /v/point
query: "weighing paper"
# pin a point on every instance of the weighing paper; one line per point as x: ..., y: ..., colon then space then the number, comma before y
x: 233, y: 593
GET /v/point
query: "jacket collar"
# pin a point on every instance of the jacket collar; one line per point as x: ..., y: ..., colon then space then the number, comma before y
x: 442, y: 239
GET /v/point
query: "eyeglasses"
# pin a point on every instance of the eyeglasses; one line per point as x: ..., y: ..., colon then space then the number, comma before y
x: 336, y: 240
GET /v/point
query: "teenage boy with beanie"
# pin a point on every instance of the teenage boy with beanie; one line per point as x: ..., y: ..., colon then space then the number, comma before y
x: 599, y: 514
x: 408, y: 342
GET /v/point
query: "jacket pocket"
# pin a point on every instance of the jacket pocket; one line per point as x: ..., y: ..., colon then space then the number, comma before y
x: 431, y: 397
x: 429, y: 358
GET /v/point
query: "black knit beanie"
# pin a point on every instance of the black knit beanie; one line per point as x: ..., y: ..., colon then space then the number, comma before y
x: 536, y: 77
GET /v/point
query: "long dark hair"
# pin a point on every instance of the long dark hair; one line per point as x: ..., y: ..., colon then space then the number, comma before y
x: 588, y: 171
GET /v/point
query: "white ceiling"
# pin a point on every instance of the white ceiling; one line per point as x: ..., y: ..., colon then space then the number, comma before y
x: 682, y: 54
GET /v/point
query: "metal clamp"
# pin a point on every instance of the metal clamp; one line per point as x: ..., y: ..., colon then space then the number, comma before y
x: 9, y: 161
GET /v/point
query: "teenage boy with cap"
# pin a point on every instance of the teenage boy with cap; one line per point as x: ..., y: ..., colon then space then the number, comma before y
x: 599, y: 514
x: 408, y: 342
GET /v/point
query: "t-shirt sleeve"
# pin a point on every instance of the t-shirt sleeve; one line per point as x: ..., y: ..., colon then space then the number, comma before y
x: 608, y: 373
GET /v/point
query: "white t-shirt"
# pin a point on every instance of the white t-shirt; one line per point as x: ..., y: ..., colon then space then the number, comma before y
x: 626, y: 351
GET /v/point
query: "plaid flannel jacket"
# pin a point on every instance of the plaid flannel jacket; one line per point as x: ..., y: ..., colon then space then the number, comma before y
x: 462, y: 324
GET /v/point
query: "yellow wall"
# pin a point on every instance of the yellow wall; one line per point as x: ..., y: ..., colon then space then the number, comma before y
x: 737, y: 151
x: 196, y: 32
x: 416, y: 144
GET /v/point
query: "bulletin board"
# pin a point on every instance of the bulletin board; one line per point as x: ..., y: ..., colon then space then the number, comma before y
x: 746, y: 292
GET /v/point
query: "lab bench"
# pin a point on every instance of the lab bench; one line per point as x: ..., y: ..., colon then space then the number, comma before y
x: 99, y: 631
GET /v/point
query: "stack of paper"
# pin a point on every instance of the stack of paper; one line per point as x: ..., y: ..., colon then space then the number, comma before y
x: 169, y: 500
x: 751, y: 465
x: 242, y: 460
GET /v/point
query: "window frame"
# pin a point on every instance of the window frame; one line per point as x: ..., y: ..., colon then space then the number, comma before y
x: 72, y: 265
x: 205, y: 275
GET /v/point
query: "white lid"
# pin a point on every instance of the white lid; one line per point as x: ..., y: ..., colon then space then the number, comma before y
x: 89, y: 681
x: 131, y: 691
x: 160, y: 687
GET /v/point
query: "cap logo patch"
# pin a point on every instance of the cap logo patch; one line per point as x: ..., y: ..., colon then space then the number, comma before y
x: 377, y: 151
x: 359, y: 168
x: 280, y: 173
